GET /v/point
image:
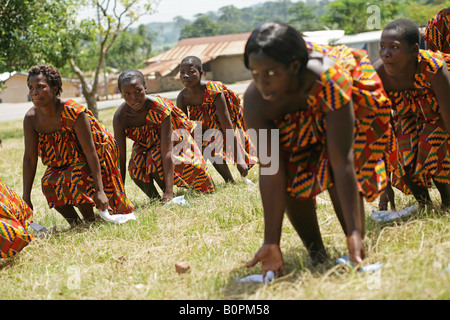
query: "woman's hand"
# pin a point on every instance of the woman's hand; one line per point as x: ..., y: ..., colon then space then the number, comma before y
x: 355, y: 247
x: 271, y: 258
x: 101, y: 200
x: 243, y: 169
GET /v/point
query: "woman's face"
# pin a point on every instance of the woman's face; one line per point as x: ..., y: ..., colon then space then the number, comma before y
x: 396, y: 54
x: 273, y: 79
x: 41, y: 93
x: 133, y: 91
x: 189, y: 74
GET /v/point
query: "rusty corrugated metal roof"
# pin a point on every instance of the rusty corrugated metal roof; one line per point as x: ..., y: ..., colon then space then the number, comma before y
x: 205, y: 48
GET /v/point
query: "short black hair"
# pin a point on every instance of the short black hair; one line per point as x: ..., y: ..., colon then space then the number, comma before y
x: 280, y: 42
x: 195, y: 61
x: 51, y: 74
x: 407, y: 29
x: 128, y: 75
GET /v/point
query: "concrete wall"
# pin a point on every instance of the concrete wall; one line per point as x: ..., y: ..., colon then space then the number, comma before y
x: 16, y: 90
x: 229, y: 69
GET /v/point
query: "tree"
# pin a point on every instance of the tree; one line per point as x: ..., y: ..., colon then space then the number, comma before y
x: 353, y: 15
x: 201, y: 27
x: 113, y: 18
x: 35, y: 31
x: 304, y: 17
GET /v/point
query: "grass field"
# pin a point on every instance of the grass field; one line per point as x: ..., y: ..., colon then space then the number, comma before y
x: 217, y: 234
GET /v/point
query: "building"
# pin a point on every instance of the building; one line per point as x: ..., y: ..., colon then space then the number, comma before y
x: 16, y: 89
x: 222, y: 58
x: 369, y: 41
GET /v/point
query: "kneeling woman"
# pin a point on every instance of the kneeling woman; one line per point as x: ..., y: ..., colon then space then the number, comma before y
x: 80, y: 154
x: 152, y: 122
x: 15, y: 217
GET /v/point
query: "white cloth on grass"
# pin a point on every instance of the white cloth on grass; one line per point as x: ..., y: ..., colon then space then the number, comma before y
x: 116, y: 218
x: 386, y: 216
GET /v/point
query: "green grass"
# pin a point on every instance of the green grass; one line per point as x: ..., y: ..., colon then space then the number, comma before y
x: 216, y: 235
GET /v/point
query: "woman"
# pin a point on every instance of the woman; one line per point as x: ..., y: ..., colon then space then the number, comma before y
x: 80, y: 154
x: 418, y: 84
x: 219, y: 111
x: 152, y: 122
x: 15, y: 217
x: 332, y: 115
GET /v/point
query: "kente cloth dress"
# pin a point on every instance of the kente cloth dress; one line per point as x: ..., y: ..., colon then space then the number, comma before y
x: 190, y: 169
x: 423, y: 140
x: 214, y: 140
x: 15, y: 216
x: 68, y: 179
x: 303, y: 132
x: 437, y: 32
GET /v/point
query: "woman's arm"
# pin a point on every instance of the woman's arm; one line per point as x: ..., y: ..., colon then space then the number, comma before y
x: 166, y: 156
x: 441, y: 88
x: 226, y: 124
x: 30, y: 158
x: 180, y: 103
x: 340, y: 136
x: 84, y: 134
x: 119, y: 135
x: 272, y: 186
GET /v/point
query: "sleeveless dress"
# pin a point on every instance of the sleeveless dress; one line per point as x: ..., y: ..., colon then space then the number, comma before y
x: 15, y: 216
x: 68, y: 179
x: 437, y: 32
x: 423, y: 140
x: 303, y: 133
x: 190, y: 169
x: 206, y: 115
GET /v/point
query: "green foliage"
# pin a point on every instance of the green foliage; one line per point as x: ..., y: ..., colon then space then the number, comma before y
x: 35, y: 31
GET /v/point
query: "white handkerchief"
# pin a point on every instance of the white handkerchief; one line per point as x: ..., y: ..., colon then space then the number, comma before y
x: 385, y: 216
x: 116, y: 218
x: 257, y: 278
x: 248, y: 181
x: 180, y: 200
x: 371, y: 267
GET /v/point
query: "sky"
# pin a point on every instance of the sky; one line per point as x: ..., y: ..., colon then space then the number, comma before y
x: 169, y: 9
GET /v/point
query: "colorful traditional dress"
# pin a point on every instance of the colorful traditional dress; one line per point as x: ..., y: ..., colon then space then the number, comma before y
x: 423, y: 140
x: 437, y: 32
x: 207, y: 116
x: 190, y: 169
x: 68, y: 179
x: 15, y: 216
x: 303, y: 133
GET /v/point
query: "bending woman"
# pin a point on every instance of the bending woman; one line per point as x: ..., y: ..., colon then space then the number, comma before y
x: 332, y: 115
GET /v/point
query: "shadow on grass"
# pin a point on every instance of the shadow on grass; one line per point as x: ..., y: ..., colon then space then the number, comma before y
x: 297, y: 264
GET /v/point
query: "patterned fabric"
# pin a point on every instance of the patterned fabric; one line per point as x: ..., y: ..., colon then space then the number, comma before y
x: 437, y: 32
x: 423, y: 140
x: 303, y: 133
x: 15, y: 216
x: 190, y: 169
x: 68, y: 179
x: 206, y: 114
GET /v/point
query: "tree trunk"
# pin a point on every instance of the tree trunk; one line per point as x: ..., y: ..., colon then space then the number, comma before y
x: 89, y: 94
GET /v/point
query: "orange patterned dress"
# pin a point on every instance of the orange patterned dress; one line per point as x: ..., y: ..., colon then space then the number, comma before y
x: 303, y: 133
x: 437, y: 32
x: 68, y: 179
x: 207, y: 116
x: 423, y: 140
x: 15, y: 216
x: 190, y: 169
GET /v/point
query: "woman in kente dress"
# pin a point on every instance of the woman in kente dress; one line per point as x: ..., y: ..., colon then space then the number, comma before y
x: 332, y: 114
x: 15, y: 216
x: 81, y: 156
x: 418, y: 84
x: 163, y: 150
